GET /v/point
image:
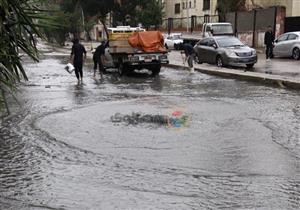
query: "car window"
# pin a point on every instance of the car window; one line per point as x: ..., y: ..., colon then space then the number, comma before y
x: 175, y: 37
x: 211, y: 42
x: 222, y: 29
x: 229, y: 42
x: 204, y: 42
x: 282, y: 38
x: 292, y: 37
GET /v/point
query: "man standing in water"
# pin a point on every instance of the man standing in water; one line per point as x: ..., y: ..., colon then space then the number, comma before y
x: 77, y: 58
x: 269, y: 42
x: 190, y: 54
x: 98, y: 57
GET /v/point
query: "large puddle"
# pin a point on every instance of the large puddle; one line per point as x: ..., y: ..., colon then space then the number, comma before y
x: 226, y: 144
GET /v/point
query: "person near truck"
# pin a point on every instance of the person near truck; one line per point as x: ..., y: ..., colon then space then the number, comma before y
x: 269, y: 42
x: 77, y: 58
x: 98, y: 58
x: 189, y: 54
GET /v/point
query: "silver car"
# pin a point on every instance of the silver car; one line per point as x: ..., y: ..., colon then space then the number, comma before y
x: 225, y: 50
x: 288, y: 45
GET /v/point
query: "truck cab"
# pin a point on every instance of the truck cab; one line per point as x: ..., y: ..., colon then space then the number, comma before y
x: 217, y: 29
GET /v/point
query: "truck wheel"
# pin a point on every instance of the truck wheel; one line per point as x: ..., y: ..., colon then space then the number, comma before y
x: 122, y: 69
x: 175, y: 46
x: 155, y: 70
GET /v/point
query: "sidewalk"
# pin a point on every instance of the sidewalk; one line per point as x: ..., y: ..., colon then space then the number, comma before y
x: 281, y: 72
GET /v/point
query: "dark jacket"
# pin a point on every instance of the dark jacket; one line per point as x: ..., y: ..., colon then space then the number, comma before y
x: 100, y: 50
x: 269, y: 38
x: 78, y: 50
x: 188, y: 49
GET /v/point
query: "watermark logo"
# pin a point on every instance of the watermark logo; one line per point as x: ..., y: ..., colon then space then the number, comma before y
x: 178, y: 119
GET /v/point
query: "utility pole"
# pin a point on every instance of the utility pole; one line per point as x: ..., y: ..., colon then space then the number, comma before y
x: 187, y: 16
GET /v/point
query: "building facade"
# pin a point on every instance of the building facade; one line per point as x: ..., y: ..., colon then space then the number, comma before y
x: 292, y: 6
x: 188, y: 15
x: 185, y: 8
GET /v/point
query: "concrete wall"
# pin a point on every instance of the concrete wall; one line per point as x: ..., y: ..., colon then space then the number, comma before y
x: 251, y: 26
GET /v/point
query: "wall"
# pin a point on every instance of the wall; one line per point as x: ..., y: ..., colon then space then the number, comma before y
x: 250, y: 26
x: 292, y: 6
x: 196, y: 9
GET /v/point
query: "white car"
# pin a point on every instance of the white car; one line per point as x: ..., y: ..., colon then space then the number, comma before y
x: 173, y: 41
x: 288, y: 45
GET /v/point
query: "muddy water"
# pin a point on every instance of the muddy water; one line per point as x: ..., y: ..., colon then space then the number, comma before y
x: 239, y: 148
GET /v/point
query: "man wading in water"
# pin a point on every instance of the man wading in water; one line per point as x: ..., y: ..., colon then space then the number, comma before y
x: 77, y: 58
x: 98, y: 58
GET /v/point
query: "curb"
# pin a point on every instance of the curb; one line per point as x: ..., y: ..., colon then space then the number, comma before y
x: 268, y: 79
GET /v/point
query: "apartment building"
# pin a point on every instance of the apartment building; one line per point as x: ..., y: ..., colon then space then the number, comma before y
x: 188, y: 8
x: 188, y: 14
x: 292, y: 6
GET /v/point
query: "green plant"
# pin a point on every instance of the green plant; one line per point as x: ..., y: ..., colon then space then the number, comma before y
x: 19, y: 29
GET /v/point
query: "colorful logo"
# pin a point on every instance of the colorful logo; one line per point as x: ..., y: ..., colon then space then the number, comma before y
x: 178, y: 119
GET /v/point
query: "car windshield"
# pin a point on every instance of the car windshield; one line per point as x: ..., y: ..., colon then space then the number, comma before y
x: 222, y: 29
x: 230, y: 42
x: 176, y: 37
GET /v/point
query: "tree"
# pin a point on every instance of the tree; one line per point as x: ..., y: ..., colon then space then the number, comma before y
x: 225, y: 6
x: 132, y: 12
x: 150, y: 13
x: 18, y: 28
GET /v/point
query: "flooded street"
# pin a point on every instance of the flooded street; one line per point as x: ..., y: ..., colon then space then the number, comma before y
x: 237, y: 148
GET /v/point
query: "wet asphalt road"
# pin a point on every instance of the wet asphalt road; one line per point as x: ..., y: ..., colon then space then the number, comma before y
x: 238, y: 149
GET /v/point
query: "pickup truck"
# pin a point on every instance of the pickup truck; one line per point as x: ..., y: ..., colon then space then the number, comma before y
x: 208, y: 30
x: 127, y: 58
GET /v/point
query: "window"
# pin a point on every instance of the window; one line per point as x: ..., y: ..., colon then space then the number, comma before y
x: 190, y: 4
x: 206, y: 4
x: 282, y: 38
x: 211, y: 43
x: 292, y: 37
x: 229, y: 42
x: 204, y: 42
x: 183, y: 5
x: 194, y: 3
x: 206, y: 18
x: 177, y: 8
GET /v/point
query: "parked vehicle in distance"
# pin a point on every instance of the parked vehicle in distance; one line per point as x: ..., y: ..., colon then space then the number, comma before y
x: 210, y: 30
x: 288, y: 45
x: 173, y: 41
x: 217, y: 29
x: 224, y: 51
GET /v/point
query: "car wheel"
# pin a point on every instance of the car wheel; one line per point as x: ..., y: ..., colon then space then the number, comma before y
x: 197, y: 59
x: 296, y: 53
x: 219, y: 61
x: 250, y: 66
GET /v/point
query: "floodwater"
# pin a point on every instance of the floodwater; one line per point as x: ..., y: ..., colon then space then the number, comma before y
x: 238, y: 147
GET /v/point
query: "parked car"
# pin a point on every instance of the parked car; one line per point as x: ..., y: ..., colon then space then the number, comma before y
x: 224, y: 51
x: 288, y: 45
x: 173, y: 41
